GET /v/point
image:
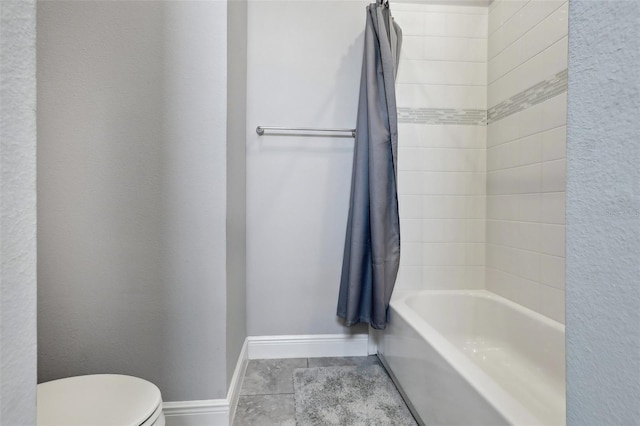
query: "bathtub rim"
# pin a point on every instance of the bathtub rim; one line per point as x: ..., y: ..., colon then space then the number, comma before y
x: 507, y: 406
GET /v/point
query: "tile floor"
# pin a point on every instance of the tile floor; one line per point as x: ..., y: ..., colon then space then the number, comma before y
x: 266, y: 396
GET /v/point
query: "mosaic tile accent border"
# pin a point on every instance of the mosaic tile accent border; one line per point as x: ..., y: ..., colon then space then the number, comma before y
x: 533, y: 95
x: 471, y: 117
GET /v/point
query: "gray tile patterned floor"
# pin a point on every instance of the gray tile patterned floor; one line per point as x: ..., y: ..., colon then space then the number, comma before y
x: 261, y: 410
x: 270, y: 376
x: 266, y: 396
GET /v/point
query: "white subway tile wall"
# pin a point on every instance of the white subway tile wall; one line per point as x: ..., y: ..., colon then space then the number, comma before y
x: 442, y: 167
x: 484, y: 206
x: 529, y: 46
x: 526, y: 156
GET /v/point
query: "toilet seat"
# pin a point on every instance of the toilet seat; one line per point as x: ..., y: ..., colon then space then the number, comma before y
x: 99, y: 400
x: 156, y: 419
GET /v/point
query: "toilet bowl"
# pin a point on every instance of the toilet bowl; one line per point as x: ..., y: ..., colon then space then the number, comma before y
x: 99, y: 400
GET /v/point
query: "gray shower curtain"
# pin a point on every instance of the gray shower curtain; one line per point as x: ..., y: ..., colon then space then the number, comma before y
x: 372, y: 245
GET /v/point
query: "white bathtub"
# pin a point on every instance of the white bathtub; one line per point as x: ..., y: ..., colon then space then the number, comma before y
x: 471, y: 358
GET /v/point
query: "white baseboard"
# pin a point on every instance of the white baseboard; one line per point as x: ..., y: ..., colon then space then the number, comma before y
x: 220, y: 412
x: 236, y: 381
x: 307, y: 346
x: 375, y: 336
x: 211, y: 412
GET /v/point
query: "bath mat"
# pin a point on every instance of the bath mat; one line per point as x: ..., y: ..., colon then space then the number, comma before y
x: 356, y: 395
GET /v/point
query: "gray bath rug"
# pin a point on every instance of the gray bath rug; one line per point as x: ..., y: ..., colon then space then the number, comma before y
x: 350, y: 396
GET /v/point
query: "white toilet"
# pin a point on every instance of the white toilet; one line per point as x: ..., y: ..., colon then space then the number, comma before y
x: 99, y: 400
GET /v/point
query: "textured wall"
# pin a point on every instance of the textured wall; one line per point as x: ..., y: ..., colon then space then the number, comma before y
x: 17, y: 213
x: 132, y: 192
x: 603, y: 214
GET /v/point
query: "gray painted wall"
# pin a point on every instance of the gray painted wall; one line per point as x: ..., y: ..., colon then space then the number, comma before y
x: 17, y: 213
x: 132, y: 192
x: 236, y: 180
x: 603, y: 214
x: 303, y: 69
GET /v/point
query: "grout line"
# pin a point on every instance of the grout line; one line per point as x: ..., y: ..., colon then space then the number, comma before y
x: 530, y: 29
x: 445, y: 36
x: 446, y: 195
x: 525, y: 136
x: 456, y: 61
x: 439, y: 218
x: 474, y: 219
x: 522, y: 63
x: 444, y: 171
x: 402, y: 148
x: 489, y: 83
x: 439, y: 84
x: 528, y: 165
x: 525, y: 193
x: 433, y: 147
x: 528, y: 97
x: 422, y: 36
x: 528, y: 279
x: 522, y: 249
x: 510, y: 17
x: 441, y: 12
x: 524, y: 165
x: 478, y: 195
x: 520, y: 138
x: 523, y: 221
x: 537, y: 281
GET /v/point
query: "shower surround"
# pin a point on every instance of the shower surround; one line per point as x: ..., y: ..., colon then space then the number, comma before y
x: 482, y: 112
x: 442, y: 98
x: 481, y: 99
x: 526, y: 153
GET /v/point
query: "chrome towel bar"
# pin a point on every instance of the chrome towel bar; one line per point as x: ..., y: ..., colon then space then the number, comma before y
x: 260, y: 130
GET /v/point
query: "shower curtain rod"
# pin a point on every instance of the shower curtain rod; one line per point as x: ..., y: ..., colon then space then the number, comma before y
x: 260, y: 130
